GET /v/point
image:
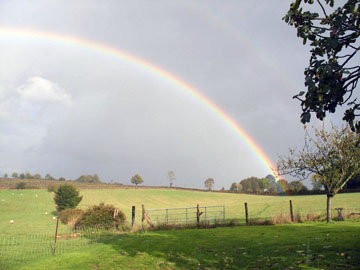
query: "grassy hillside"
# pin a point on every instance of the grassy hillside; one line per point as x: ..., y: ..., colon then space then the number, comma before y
x: 28, y: 207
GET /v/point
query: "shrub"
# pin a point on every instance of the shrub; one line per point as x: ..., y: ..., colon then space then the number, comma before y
x: 52, y: 187
x: 101, y: 216
x: 66, y: 196
x: 70, y: 216
x: 258, y: 221
x: 281, y: 218
x: 20, y: 185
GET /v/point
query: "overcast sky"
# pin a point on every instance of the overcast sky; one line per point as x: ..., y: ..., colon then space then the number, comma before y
x: 68, y: 110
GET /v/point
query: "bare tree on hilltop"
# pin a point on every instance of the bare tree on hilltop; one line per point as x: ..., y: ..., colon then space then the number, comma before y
x: 171, y: 176
x: 209, y: 183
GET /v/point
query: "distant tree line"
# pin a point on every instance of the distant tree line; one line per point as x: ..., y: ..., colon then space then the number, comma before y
x: 27, y: 175
x: 268, y: 185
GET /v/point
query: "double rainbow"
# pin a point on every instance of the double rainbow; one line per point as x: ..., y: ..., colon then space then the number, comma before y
x: 34, y: 34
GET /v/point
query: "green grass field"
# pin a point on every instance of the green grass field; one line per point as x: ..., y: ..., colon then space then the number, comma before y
x: 27, y: 243
x: 296, y: 246
x: 28, y: 207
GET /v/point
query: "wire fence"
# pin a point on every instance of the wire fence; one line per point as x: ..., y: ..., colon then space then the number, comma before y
x: 187, y: 215
x: 20, y: 249
x: 17, y: 250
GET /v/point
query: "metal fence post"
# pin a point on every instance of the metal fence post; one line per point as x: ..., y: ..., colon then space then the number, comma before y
x: 143, y: 217
x: 205, y: 215
x: 223, y: 213
x: 167, y: 217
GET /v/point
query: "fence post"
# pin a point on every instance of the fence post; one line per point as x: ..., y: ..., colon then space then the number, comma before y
x: 223, y: 213
x: 56, y: 232
x: 291, y: 212
x: 246, y: 214
x: 167, y: 217
x: 186, y: 219
x: 197, y: 215
x: 143, y: 217
x: 132, y: 216
x: 205, y: 216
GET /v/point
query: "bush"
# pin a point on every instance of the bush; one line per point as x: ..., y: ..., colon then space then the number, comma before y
x: 66, y: 196
x: 52, y: 187
x: 20, y: 185
x: 70, y: 216
x: 101, y: 216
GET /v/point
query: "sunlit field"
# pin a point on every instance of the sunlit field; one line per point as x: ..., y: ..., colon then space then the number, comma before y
x: 33, y: 210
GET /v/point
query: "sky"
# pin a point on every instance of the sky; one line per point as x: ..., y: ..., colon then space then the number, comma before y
x: 70, y: 110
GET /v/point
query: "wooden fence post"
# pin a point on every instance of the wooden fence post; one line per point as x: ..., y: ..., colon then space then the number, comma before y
x: 246, y: 214
x: 133, y: 217
x: 143, y: 217
x: 291, y: 212
x: 56, y: 232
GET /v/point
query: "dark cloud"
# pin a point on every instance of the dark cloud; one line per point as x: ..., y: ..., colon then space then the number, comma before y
x: 124, y: 119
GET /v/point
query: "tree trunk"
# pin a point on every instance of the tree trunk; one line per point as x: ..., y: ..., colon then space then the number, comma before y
x: 328, y: 208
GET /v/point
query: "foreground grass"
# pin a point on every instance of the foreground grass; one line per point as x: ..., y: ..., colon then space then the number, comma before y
x: 28, y: 208
x: 297, y: 246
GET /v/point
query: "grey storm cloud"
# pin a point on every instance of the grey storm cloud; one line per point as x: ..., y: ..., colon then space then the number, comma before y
x: 70, y: 110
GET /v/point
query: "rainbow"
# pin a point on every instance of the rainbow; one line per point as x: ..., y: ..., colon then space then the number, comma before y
x: 125, y: 56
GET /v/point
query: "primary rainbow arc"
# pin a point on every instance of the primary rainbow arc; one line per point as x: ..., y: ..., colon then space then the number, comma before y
x: 34, y: 34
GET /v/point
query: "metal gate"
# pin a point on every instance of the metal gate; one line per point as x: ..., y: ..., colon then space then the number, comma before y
x: 187, y: 215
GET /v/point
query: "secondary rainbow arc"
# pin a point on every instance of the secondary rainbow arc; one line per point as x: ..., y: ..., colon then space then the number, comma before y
x: 35, y: 34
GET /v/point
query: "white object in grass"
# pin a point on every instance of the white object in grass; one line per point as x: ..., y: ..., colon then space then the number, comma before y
x: 54, y: 217
x: 11, y: 221
x: 46, y: 213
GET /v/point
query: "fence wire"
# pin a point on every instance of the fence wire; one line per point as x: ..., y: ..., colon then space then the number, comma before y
x: 17, y: 250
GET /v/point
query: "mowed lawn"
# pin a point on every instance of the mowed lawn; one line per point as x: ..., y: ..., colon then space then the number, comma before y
x: 33, y: 210
x: 295, y: 246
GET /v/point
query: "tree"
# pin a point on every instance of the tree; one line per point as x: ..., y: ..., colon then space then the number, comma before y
x: 20, y: 185
x: 49, y: 177
x: 251, y: 185
x: 6, y: 175
x: 88, y: 179
x: 283, y: 185
x: 234, y: 187
x: 22, y: 176
x: 209, y: 183
x: 297, y: 187
x: 67, y: 196
x: 15, y: 175
x: 62, y: 179
x: 331, y: 155
x: 28, y: 175
x: 171, y: 176
x: 316, y: 183
x: 37, y: 176
x: 333, y: 71
x: 136, y: 179
x: 264, y: 184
